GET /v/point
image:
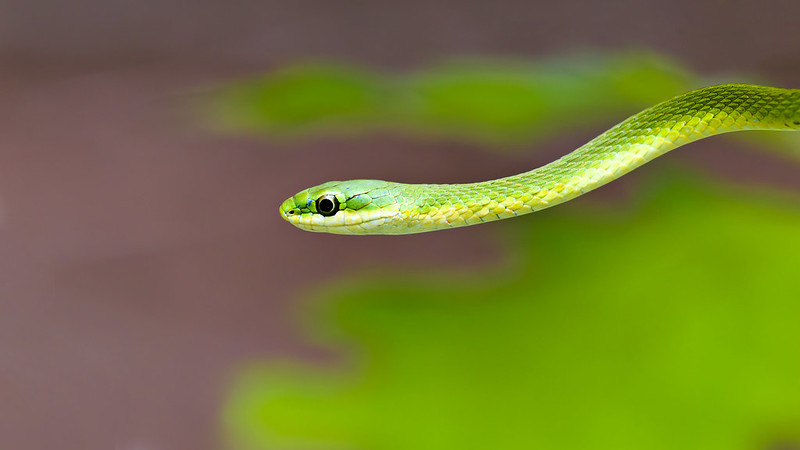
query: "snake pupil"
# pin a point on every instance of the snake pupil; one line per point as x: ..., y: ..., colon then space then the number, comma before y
x: 327, y: 205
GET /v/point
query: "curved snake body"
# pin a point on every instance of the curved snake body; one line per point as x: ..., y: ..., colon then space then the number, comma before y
x: 382, y: 207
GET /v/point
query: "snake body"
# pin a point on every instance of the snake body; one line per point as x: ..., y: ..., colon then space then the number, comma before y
x: 382, y: 207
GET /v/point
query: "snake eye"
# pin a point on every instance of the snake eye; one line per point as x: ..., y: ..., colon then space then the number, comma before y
x: 327, y: 205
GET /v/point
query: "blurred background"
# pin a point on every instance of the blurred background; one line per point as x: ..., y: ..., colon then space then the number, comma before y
x: 153, y: 299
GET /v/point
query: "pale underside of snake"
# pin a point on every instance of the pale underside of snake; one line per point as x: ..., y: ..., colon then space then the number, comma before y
x: 382, y: 207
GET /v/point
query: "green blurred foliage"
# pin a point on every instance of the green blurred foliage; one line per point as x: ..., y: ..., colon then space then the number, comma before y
x: 495, y: 101
x: 511, y: 102
x: 672, y: 324
x: 300, y: 100
x: 502, y: 103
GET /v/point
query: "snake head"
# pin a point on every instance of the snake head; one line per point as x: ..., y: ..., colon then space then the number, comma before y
x: 342, y: 207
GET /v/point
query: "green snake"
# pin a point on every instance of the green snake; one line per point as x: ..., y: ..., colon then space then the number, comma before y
x: 382, y: 207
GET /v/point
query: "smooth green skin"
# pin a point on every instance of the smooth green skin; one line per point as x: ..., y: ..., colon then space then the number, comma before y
x: 382, y: 207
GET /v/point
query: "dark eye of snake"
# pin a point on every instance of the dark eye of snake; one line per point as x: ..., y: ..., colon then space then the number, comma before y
x: 327, y: 205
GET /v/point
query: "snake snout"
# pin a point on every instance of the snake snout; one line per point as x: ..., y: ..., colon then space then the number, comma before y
x: 288, y: 209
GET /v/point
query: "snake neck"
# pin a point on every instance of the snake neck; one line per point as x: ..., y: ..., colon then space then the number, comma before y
x: 633, y: 142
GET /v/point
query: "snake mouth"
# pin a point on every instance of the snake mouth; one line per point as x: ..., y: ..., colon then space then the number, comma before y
x: 365, y: 226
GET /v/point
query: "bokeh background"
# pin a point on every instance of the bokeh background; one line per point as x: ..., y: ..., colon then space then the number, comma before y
x: 153, y: 299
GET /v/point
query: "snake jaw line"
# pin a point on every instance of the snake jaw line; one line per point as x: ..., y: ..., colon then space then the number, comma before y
x: 380, y: 207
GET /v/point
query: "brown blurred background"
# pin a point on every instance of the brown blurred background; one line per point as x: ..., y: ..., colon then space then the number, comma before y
x: 142, y: 258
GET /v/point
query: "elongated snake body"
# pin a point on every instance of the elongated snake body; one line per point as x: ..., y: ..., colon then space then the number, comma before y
x: 382, y: 207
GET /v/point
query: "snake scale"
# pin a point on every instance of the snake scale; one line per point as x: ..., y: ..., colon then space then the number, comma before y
x: 382, y: 207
